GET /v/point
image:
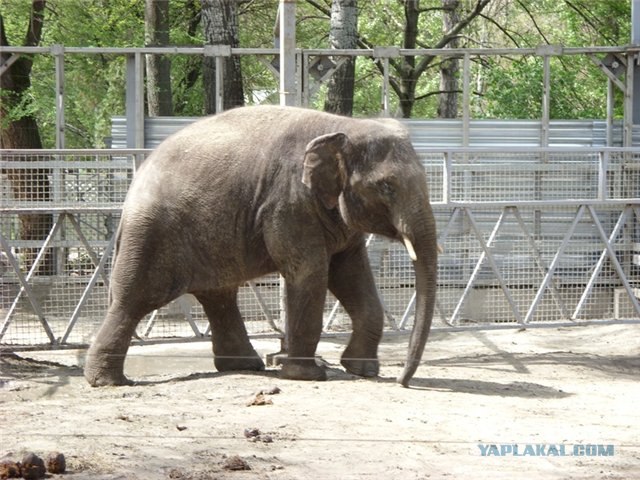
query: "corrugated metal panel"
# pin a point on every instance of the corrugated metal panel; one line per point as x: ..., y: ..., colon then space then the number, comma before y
x: 437, y: 132
x: 501, y: 133
x: 156, y: 129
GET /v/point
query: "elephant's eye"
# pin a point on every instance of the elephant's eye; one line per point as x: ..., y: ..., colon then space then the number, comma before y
x: 386, y: 187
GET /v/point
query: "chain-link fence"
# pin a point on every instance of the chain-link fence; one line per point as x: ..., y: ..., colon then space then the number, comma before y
x: 531, y: 236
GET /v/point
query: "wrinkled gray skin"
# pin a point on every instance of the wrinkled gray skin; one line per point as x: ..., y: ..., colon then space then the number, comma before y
x: 262, y: 189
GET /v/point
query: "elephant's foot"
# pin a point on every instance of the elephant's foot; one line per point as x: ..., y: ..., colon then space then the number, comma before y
x: 251, y: 362
x: 104, y: 376
x: 302, y: 370
x: 361, y: 365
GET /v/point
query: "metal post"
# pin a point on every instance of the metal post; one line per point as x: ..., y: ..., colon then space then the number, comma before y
x: 610, y: 112
x: 546, y: 100
x: 219, y: 84
x: 135, y: 102
x: 287, y: 13
x: 385, y: 86
x: 632, y: 59
x: 466, y: 99
x: 58, y: 53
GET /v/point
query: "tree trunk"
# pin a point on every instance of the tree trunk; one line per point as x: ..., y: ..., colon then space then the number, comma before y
x: 448, y: 105
x: 343, y: 34
x: 220, y: 23
x: 156, y: 33
x: 408, y: 78
x: 21, y: 132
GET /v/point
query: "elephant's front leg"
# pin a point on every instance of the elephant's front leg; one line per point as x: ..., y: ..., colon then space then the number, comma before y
x: 231, y: 346
x: 305, y: 308
x: 351, y: 281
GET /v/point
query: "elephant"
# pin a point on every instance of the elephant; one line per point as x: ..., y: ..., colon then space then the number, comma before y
x: 263, y: 189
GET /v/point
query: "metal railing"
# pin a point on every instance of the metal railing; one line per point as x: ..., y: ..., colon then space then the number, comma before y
x: 531, y: 237
x: 618, y: 64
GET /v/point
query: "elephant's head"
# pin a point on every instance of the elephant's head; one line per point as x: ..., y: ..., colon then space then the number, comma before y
x: 377, y: 182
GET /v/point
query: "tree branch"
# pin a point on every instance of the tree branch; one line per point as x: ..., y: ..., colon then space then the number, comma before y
x: 323, y: 9
x: 533, y: 20
x: 451, y: 35
x: 588, y: 20
x: 501, y: 28
x: 436, y: 92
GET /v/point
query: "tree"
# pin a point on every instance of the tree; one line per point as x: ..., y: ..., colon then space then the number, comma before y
x: 220, y: 24
x: 19, y: 129
x: 408, y: 71
x: 343, y: 34
x: 156, y: 27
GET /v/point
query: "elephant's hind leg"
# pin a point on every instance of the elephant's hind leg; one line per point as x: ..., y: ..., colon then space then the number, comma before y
x: 231, y: 346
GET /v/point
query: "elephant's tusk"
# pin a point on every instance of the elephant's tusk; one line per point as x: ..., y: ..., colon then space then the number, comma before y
x: 410, y: 250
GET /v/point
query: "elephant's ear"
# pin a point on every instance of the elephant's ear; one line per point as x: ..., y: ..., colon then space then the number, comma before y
x: 324, y: 169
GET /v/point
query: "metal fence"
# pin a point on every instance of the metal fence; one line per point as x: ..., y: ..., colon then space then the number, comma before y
x: 531, y: 236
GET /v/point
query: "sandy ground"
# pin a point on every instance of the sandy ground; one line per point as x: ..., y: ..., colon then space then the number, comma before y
x: 544, y: 390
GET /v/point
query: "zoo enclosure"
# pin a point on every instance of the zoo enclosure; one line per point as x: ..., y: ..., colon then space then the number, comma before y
x: 531, y: 236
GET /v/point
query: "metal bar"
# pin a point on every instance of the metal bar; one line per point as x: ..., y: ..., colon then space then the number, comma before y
x: 58, y: 52
x: 487, y: 254
x: 466, y: 97
x: 447, y: 176
x: 24, y: 282
x: 554, y: 265
x: 85, y: 242
x: 139, y: 104
x: 287, y: 12
x: 385, y: 86
x: 87, y: 291
x: 628, y: 101
x: 150, y: 323
x: 546, y: 99
x: 610, y: 112
x: 600, y: 263
x: 306, y: 95
x: 614, y: 259
x: 603, y: 168
x: 5, y: 66
x: 263, y: 307
x: 542, y: 268
x: 613, y: 79
x: 219, y: 91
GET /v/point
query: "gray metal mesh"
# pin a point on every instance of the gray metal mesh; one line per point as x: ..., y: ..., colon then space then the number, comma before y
x: 529, y: 237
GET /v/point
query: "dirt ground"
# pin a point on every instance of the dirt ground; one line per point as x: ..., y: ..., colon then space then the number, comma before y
x: 546, y: 391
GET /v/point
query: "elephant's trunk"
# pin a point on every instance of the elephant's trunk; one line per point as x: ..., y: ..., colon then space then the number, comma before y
x: 424, y: 243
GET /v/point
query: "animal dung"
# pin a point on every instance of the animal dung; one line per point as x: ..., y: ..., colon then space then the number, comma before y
x: 235, y: 463
x: 9, y: 469
x: 56, y: 463
x: 261, y: 396
x: 255, y: 435
x: 32, y: 467
x: 260, y: 399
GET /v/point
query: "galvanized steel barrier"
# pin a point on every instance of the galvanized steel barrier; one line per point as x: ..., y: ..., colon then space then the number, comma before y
x: 531, y: 237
